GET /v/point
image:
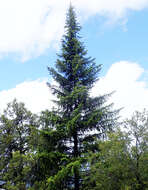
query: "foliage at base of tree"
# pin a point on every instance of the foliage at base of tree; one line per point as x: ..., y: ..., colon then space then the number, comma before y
x: 17, y: 145
x: 122, y: 163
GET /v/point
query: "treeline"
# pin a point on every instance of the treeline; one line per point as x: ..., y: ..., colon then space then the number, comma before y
x: 33, y: 154
x: 79, y: 144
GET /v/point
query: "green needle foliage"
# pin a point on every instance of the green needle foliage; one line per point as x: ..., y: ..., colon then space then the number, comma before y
x: 80, y: 118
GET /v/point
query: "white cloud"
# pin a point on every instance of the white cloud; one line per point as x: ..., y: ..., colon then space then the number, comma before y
x: 131, y: 91
x: 124, y: 77
x: 29, y: 27
x: 35, y: 94
x: 113, y: 8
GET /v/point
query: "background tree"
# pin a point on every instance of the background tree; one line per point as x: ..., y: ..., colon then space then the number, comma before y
x: 79, y: 118
x: 122, y: 162
x: 17, y: 126
x: 110, y: 168
x: 137, y: 128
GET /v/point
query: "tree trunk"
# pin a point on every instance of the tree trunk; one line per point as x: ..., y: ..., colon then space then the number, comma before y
x: 76, y: 172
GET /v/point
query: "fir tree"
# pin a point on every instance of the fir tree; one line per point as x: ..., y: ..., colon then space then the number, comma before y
x: 80, y: 118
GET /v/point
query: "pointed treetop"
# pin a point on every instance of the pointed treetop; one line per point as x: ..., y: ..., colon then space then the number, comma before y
x: 71, y: 20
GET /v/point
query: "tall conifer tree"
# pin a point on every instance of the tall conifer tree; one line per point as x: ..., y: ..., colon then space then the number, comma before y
x: 80, y: 118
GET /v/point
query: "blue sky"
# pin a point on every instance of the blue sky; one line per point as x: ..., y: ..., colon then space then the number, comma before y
x: 115, y: 34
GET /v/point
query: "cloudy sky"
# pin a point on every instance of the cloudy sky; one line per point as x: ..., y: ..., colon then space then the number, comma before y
x: 114, y: 32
